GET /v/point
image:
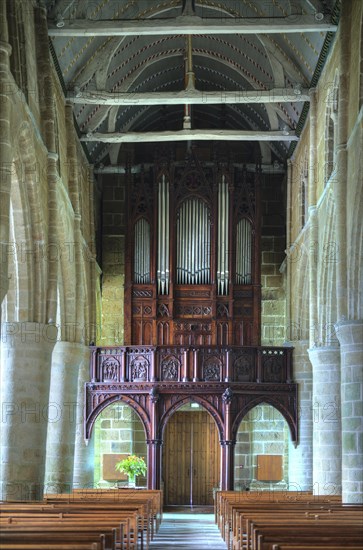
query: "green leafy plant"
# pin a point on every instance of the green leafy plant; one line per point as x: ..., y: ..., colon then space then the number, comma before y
x: 132, y: 466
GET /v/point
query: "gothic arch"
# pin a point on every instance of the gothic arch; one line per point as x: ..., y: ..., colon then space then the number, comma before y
x: 108, y: 400
x: 191, y: 399
x: 261, y: 400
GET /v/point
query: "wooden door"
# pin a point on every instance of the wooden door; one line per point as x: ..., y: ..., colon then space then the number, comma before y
x: 191, y: 458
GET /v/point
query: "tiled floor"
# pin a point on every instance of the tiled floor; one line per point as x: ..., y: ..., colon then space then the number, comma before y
x: 188, y: 529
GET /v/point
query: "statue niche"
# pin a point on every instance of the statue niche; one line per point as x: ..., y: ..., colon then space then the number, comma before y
x: 139, y: 369
x: 170, y: 368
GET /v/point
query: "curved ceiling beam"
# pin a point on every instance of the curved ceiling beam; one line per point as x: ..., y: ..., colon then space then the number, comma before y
x: 99, y: 65
x: 130, y: 80
x: 289, y: 67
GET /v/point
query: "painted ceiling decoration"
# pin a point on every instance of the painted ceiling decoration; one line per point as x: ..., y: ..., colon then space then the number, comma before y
x: 173, y: 70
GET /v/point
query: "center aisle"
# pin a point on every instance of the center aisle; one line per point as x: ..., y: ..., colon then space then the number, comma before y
x: 192, y: 530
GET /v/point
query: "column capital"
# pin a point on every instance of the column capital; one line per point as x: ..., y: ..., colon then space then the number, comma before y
x: 156, y: 442
x: 349, y: 331
x: 52, y: 156
x: 71, y: 353
x: 28, y: 333
x: 227, y: 442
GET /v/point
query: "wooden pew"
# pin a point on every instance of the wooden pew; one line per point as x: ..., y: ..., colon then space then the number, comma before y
x: 146, y: 523
x: 249, y: 521
x: 121, y: 520
x: 122, y: 494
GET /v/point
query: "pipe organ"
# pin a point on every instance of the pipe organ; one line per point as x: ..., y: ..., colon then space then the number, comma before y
x: 193, y: 255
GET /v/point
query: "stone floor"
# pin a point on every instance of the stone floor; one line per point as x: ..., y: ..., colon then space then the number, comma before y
x: 188, y: 528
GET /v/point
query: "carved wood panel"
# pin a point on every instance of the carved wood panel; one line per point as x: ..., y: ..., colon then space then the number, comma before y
x: 166, y: 318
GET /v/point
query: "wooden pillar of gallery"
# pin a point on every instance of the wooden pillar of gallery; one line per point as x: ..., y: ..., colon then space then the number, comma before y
x: 227, y: 465
x: 153, y: 444
x: 153, y: 463
x: 227, y: 444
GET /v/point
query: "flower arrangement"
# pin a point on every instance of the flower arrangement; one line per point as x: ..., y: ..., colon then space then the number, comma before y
x: 131, y: 466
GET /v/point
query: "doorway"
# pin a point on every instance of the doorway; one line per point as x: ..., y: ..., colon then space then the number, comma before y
x: 191, y: 457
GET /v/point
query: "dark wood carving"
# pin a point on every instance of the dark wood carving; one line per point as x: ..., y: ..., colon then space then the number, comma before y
x: 231, y: 319
x: 228, y: 381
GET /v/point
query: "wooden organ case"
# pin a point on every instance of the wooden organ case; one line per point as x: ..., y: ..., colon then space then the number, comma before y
x: 193, y: 255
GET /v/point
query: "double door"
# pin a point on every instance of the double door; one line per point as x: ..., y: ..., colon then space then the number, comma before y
x: 191, y: 458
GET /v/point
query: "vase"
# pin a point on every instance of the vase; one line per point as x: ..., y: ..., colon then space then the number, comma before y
x: 132, y: 481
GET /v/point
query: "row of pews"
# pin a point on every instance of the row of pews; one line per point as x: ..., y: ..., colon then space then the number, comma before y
x: 86, y: 519
x: 287, y: 520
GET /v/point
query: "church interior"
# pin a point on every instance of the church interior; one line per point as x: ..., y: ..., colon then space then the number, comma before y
x: 181, y: 247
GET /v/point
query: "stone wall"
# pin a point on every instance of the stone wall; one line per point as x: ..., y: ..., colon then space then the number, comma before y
x: 118, y: 430
x: 49, y: 270
x: 263, y: 431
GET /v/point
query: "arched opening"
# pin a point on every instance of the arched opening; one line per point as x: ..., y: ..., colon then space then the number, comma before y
x: 261, y: 451
x: 118, y: 432
x: 191, y: 457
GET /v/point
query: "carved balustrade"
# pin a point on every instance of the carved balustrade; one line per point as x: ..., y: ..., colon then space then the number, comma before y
x: 228, y: 381
x: 197, y: 364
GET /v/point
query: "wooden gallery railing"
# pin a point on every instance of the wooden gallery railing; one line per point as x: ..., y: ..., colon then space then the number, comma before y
x: 183, y: 364
x: 227, y: 381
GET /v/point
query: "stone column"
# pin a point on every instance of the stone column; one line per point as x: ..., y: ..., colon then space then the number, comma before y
x: 326, y: 420
x: 350, y: 336
x: 7, y: 88
x: 340, y: 182
x: 66, y: 359
x: 48, y: 129
x: 83, y: 472
x: 26, y: 350
x: 301, y: 457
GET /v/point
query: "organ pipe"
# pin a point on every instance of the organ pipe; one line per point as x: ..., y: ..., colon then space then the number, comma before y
x: 223, y: 237
x: 142, y: 252
x: 193, y: 243
x: 244, y: 252
x: 163, y: 273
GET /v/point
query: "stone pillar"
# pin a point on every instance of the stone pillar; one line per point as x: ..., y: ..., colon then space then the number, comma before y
x: 313, y: 229
x: 301, y: 457
x: 83, y: 472
x: 340, y: 182
x: 66, y: 359
x: 7, y: 88
x: 326, y: 420
x: 48, y: 125
x: 26, y: 351
x: 350, y: 336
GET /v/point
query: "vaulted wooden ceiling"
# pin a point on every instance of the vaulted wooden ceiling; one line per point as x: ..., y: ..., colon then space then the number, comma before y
x: 125, y: 65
